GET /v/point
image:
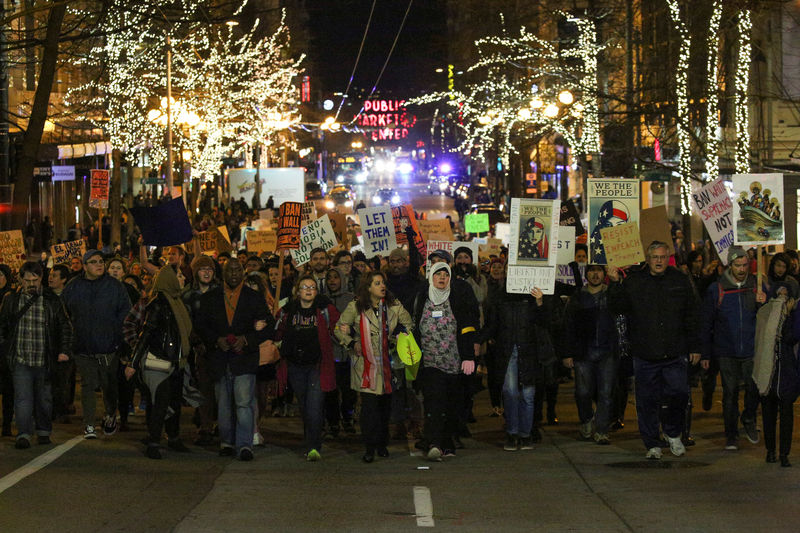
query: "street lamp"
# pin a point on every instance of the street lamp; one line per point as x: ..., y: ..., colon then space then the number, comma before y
x: 551, y: 110
x: 565, y: 97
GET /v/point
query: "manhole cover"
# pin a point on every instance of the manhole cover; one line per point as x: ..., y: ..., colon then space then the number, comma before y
x: 657, y: 464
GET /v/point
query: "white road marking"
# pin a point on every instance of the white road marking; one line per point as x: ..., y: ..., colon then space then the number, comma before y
x: 37, y: 464
x: 423, y: 507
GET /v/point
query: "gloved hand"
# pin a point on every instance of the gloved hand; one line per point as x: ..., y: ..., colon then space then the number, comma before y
x: 468, y: 367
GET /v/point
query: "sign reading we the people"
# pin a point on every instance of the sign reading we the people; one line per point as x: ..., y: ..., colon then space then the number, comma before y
x: 63, y: 252
x: 289, y: 225
x: 377, y: 228
x: 612, y: 202
x: 316, y: 234
x: 534, y: 232
x: 12, y: 249
x: 98, y: 196
x: 713, y: 203
x: 757, y: 209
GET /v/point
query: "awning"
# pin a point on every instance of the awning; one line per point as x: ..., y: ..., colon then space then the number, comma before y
x: 71, y: 151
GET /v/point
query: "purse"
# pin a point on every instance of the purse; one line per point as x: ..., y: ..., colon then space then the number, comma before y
x: 151, y: 362
x: 268, y: 353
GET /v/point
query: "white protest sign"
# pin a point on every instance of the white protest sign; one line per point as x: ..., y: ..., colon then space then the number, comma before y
x: 316, y: 234
x: 713, y: 203
x: 377, y: 228
x: 564, y: 274
x: 566, y: 245
x: 62, y: 253
x: 451, y: 246
x: 502, y: 231
x: 308, y: 212
x: 522, y: 279
x: 534, y: 232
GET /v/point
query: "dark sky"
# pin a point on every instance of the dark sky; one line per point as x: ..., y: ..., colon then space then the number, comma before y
x: 337, y: 27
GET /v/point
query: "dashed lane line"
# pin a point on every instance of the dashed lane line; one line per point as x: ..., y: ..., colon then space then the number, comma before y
x: 423, y: 507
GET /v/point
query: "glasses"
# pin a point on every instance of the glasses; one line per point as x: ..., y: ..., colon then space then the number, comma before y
x: 308, y: 287
x: 99, y: 262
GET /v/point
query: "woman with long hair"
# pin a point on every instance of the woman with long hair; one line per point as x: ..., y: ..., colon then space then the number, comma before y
x: 159, y: 357
x: 370, y: 325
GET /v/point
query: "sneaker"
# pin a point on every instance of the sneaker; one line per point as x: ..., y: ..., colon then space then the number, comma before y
x: 313, y: 456
x: 44, y: 439
x: 731, y: 445
x: 109, y: 425
x: 751, y: 431
x: 601, y: 438
x: 676, y: 446
x: 434, y: 454
x: 22, y: 443
x: 511, y: 444
x: 585, y: 430
x: 89, y: 433
x: 653, y: 453
x: 246, y: 455
x: 258, y: 440
x: 525, y: 443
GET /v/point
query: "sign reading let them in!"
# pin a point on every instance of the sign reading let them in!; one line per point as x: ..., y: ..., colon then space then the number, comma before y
x: 377, y: 228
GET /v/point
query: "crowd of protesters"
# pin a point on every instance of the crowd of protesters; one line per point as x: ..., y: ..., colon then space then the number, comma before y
x: 183, y: 328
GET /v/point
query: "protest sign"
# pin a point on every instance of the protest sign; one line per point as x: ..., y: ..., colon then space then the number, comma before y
x: 476, y: 223
x: 289, y: 225
x: 522, y: 279
x: 244, y: 229
x: 611, y: 202
x: 266, y: 214
x: 377, y: 228
x: 283, y: 184
x: 98, y: 196
x: 492, y: 247
x: 565, y: 274
x: 261, y: 241
x: 62, y: 253
x: 713, y: 203
x: 622, y: 244
x: 164, y: 225
x: 12, y: 249
x: 438, y: 229
x: 566, y: 245
x: 502, y: 230
x: 534, y: 232
x: 757, y: 209
x: 223, y: 230
x: 316, y: 234
x: 308, y: 213
x: 339, y: 224
x: 654, y: 226
x: 569, y: 216
x: 451, y: 246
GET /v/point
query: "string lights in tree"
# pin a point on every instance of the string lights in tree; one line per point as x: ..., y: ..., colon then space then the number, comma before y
x: 712, y: 93
x: 682, y: 101
x: 742, y: 82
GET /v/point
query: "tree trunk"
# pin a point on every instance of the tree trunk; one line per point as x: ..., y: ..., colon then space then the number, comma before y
x: 41, y: 100
x: 115, y: 197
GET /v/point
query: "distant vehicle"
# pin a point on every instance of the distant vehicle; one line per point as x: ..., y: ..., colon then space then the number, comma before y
x: 403, y: 167
x: 314, y: 191
x: 341, y: 195
x: 478, y: 194
x: 454, y: 181
x: 495, y: 215
x: 437, y: 184
x: 350, y: 168
x: 385, y: 196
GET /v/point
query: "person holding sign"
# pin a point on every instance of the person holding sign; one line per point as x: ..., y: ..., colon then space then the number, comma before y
x: 662, y: 311
x: 369, y: 325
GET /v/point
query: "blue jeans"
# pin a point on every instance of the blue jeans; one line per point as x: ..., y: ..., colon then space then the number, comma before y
x: 235, y: 410
x: 518, y: 402
x: 305, y: 384
x: 595, y: 378
x: 33, y: 400
x: 661, y: 383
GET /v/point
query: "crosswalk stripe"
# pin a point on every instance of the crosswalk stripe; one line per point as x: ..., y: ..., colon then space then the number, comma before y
x: 37, y: 464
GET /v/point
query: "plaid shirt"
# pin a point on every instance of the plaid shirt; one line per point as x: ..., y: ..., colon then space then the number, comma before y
x: 30, y: 348
x: 132, y: 325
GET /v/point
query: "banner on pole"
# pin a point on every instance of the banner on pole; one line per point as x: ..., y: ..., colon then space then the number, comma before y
x: 98, y: 196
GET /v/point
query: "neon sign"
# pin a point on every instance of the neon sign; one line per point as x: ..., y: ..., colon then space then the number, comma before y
x: 388, y: 118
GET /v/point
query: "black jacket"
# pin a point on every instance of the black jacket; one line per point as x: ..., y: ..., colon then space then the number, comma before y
x: 58, y: 329
x: 589, y: 324
x: 465, y: 308
x: 160, y: 334
x: 662, y: 311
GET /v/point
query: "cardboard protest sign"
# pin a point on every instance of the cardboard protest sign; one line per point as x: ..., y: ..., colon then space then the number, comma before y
x: 316, y: 234
x: 214, y: 241
x: 164, y: 225
x: 757, y: 209
x: 339, y: 224
x: 223, y: 230
x: 534, y: 232
x: 98, y: 196
x: 12, y: 249
x: 377, y: 228
x: 611, y: 202
x: 266, y: 214
x: 654, y: 226
x: 502, y: 231
x: 492, y: 247
x: 566, y: 245
x: 308, y: 213
x: 569, y: 216
x: 438, y: 229
x: 713, y: 203
x: 451, y: 246
x: 476, y: 223
x: 289, y: 225
x: 522, y: 279
x: 622, y: 244
x: 262, y: 241
x: 62, y: 253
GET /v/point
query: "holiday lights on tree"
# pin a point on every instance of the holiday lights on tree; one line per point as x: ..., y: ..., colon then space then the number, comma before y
x: 712, y: 92
x: 742, y: 83
x: 682, y: 100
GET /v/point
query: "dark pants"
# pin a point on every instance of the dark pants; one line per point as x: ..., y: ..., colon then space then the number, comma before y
x: 306, y: 385
x: 771, y: 405
x: 166, y: 409
x: 660, y: 383
x: 622, y: 387
x: 7, y: 390
x: 375, y: 412
x: 207, y: 410
x: 494, y: 378
x: 443, y: 399
x: 340, y: 403
x: 98, y: 370
x: 594, y: 380
x: 709, y: 378
x: 125, y: 390
x: 734, y: 371
x: 61, y: 387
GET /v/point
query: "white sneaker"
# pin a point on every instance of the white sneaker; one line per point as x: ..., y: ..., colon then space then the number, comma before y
x: 653, y: 453
x: 676, y: 446
x: 258, y: 440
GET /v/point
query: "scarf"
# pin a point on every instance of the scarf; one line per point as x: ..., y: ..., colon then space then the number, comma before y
x: 166, y: 283
x: 369, y: 377
x: 438, y: 296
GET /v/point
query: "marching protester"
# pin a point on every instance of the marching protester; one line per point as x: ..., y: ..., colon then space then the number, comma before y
x: 341, y: 402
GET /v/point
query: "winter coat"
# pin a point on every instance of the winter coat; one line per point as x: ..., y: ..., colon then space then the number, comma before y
x: 589, y: 324
x: 160, y: 335
x: 97, y: 309
x: 729, y: 318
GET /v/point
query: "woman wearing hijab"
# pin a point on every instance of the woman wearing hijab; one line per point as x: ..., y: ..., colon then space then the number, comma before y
x: 446, y: 319
x: 370, y: 325
x: 159, y: 356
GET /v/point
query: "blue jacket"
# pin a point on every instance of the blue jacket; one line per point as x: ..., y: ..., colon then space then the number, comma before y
x: 729, y: 326
x: 97, y: 309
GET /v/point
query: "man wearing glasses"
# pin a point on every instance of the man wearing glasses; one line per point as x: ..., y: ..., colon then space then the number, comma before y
x: 663, y: 315
x: 97, y: 305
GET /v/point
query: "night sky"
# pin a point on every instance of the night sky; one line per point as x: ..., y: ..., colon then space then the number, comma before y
x: 337, y: 27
